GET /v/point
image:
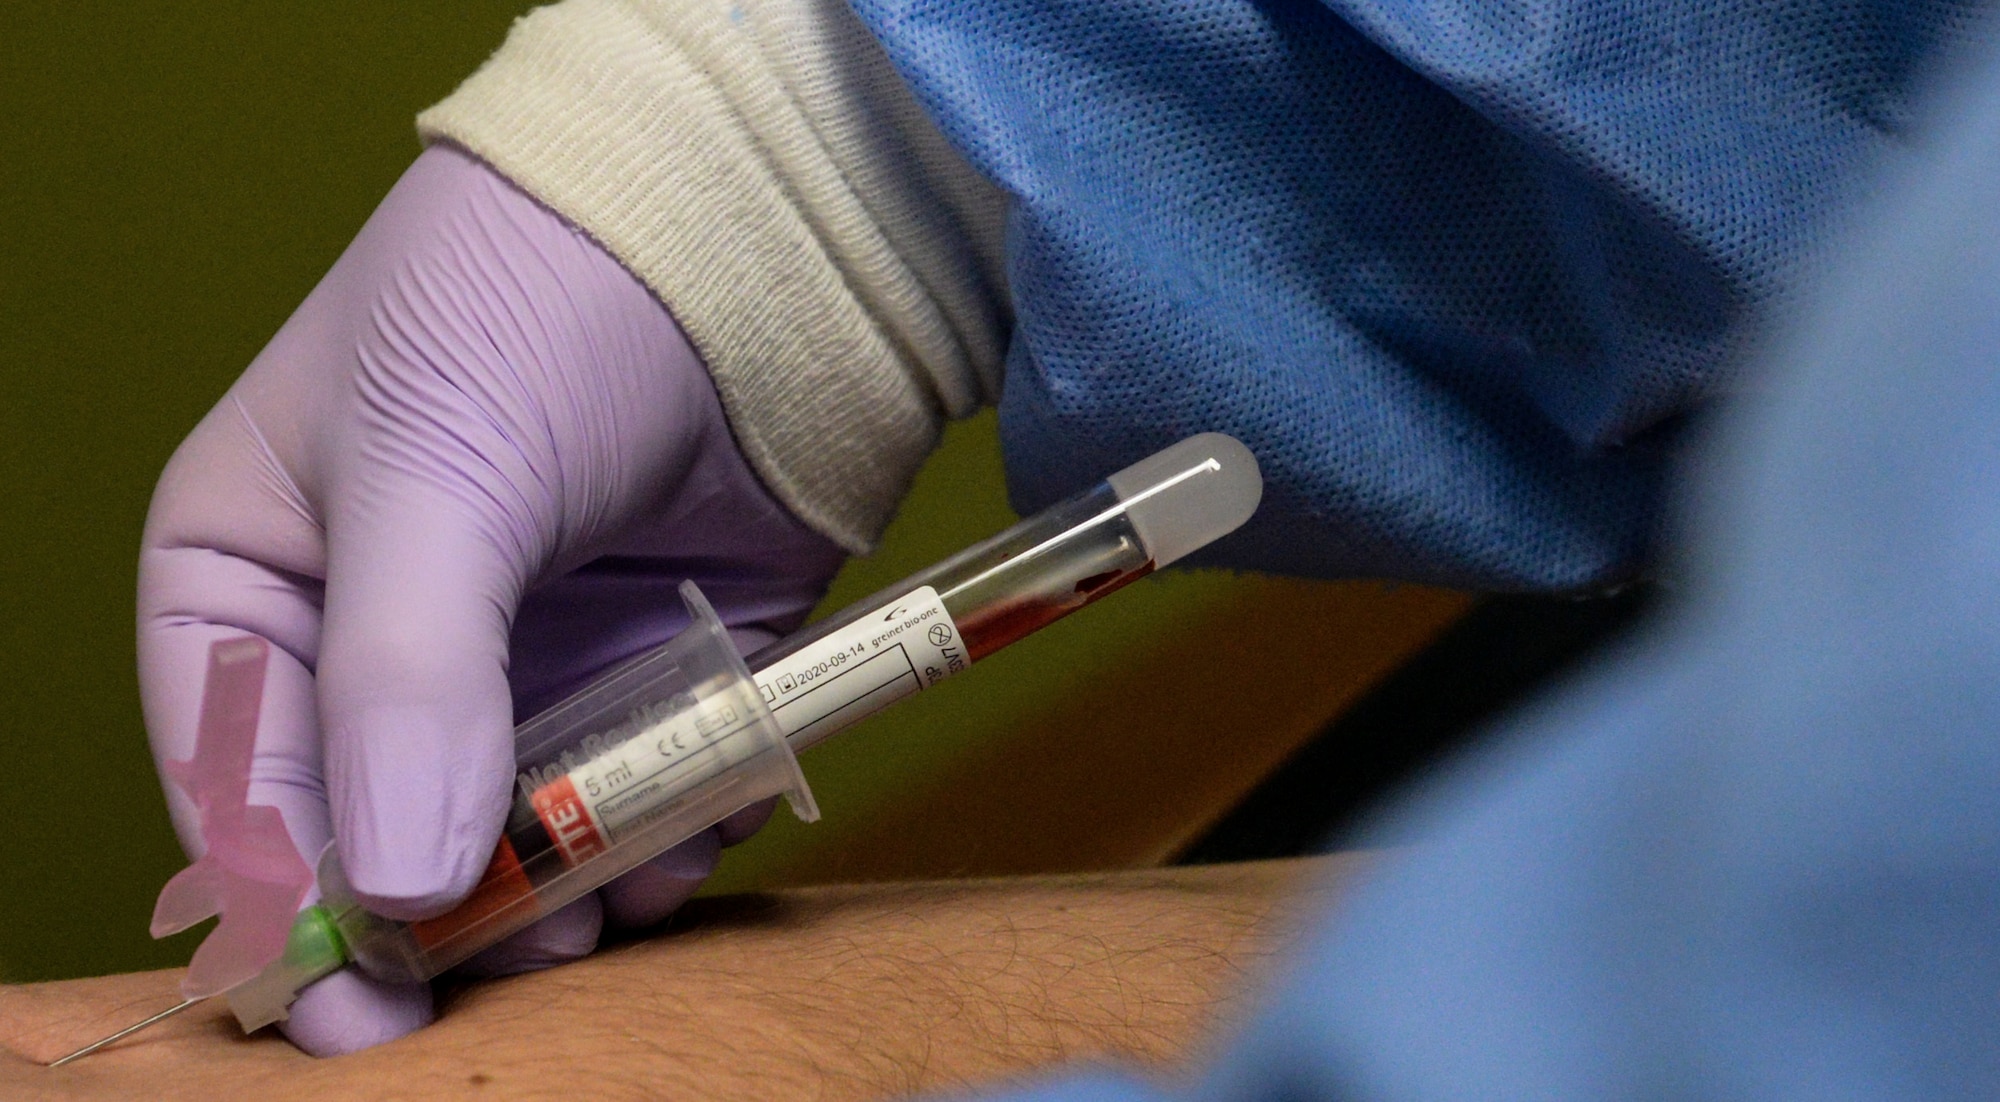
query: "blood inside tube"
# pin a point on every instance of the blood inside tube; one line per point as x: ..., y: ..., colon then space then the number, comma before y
x: 503, y: 887
x: 989, y: 628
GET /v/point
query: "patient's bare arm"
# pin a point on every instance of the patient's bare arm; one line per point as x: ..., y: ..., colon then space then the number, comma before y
x: 832, y: 993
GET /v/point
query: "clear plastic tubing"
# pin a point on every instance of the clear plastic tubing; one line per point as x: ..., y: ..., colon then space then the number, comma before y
x: 671, y: 742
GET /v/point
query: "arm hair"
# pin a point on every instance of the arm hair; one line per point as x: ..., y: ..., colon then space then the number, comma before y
x: 834, y: 994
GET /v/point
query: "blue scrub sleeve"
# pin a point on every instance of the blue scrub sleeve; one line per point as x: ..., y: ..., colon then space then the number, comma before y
x: 1457, y: 271
x: 1757, y: 854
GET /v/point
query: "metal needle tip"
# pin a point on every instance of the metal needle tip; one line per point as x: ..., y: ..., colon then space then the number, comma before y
x: 124, y: 1033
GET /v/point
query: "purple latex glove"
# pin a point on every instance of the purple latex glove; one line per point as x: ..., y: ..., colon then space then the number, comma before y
x: 467, y: 474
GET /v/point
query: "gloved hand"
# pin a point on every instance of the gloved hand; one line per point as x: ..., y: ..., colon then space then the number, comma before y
x: 467, y: 474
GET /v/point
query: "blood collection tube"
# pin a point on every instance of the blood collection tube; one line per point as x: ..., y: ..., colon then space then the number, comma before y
x: 667, y: 744
x: 831, y: 674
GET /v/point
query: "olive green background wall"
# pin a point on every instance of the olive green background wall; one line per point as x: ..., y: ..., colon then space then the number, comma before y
x: 173, y: 178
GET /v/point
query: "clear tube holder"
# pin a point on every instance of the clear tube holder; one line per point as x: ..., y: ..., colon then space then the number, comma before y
x: 642, y: 759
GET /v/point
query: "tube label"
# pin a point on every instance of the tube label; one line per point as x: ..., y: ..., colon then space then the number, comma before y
x: 902, y: 647
x: 633, y: 774
x: 623, y: 779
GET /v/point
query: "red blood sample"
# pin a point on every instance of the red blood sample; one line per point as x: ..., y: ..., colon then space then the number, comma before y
x: 988, y: 629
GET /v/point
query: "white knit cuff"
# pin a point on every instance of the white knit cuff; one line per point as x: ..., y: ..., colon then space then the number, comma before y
x: 765, y: 171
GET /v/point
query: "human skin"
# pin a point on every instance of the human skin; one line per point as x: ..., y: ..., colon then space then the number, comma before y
x: 836, y: 994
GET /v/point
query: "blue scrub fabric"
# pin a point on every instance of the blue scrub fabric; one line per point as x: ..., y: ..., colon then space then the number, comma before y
x: 1756, y: 855
x: 1455, y: 270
